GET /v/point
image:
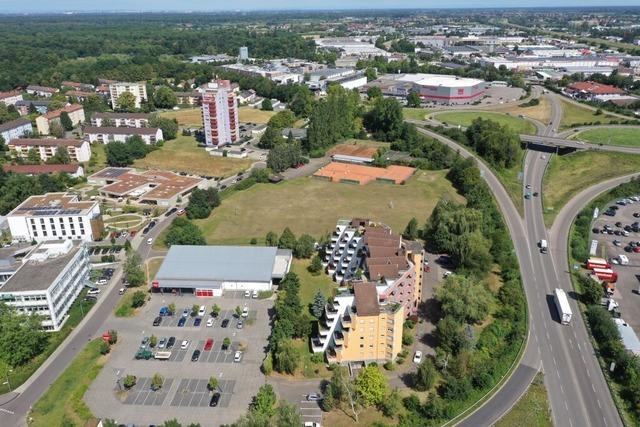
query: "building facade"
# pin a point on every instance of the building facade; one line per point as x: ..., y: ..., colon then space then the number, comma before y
x: 16, y: 129
x: 44, y: 91
x: 220, y: 114
x: 244, y: 53
x: 10, y: 98
x: 138, y: 89
x: 131, y: 120
x: 105, y: 135
x: 79, y: 151
x: 48, y: 281
x: 75, y: 113
x: 55, y: 216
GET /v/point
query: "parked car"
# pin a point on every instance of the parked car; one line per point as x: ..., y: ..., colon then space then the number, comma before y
x: 184, y: 344
x: 617, y: 243
x: 102, y: 282
x: 162, y: 343
x: 255, y: 294
x: 157, y: 321
x: 240, y: 325
x: 237, y: 357
x: 170, y: 342
x: 214, y: 399
x: 197, y: 321
x: 93, y: 291
x: 182, y: 321
x: 247, y: 294
x: 185, y: 312
x: 171, y: 211
x: 245, y: 312
x: 210, y: 322
x: 314, y: 397
x: 225, y: 323
x: 195, y: 356
x: 209, y: 344
x: 202, y: 311
x: 417, y: 357
x: 149, y: 241
x: 180, y: 212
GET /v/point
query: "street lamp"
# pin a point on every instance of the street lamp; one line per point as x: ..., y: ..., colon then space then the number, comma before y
x: 7, y: 381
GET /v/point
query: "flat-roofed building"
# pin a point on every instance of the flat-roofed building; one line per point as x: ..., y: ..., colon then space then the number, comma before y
x: 15, y: 129
x: 161, y: 188
x: 79, y: 151
x: 132, y: 120
x: 55, y: 216
x: 220, y: 114
x: 73, y: 169
x: 207, y: 271
x: 137, y: 89
x: 105, y: 135
x: 47, y: 281
x: 75, y: 113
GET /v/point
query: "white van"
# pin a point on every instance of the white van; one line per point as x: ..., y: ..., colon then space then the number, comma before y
x: 623, y: 259
x: 542, y: 244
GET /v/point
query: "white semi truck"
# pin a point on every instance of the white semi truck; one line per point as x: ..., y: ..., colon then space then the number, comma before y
x: 562, y: 304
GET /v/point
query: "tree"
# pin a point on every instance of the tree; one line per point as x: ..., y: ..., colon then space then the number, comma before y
x: 194, y: 310
x: 215, y: 310
x: 450, y: 335
x: 305, y: 246
x: 282, y: 119
x: 153, y: 341
x: 172, y: 423
x: 392, y: 404
x: 33, y: 157
x: 425, y: 376
x: 126, y: 102
x: 164, y: 97
x: 263, y: 402
x: 133, y: 272
x: 169, y: 127
x: 591, y: 290
x: 464, y: 299
x: 184, y: 232
x: 411, y: 231
x: 202, y: 202
x: 65, y: 121
x: 316, y: 265
x: 238, y: 311
x: 271, y: 239
x: 287, y: 415
x: 123, y: 154
x: 55, y: 129
x: 317, y: 306
x: 157, y: 381
x: 302, y: 102
x: 213, y: 383
x: 61, y: 157
x: 172, y: 308
x: 287, y: 239
x: 413, y: 100
x: 21, y: 337
x: 226, y: 342
x: 374, y: 92
x: 286, y: 357
x: 270, y: 138
x: 138, y: 299
x: 385, y: 119
x: 267, y: 105
x: 284, y: 155
x: 371, y: 385
x: 371, y: 75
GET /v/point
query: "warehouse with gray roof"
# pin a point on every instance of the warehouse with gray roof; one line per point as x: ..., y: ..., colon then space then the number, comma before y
x: 207, y: 271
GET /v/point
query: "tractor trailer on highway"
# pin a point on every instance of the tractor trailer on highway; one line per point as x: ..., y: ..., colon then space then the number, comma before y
x: 562, y: 304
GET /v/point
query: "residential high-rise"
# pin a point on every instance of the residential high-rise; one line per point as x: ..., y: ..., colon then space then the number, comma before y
x: 219, y: 113
x: 138, y: 89
x: 244, y: 53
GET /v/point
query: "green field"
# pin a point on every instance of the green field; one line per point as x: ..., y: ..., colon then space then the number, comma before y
x: 98, y: 159
x: 465, y: 118
x: 532, y: 407
x: 416, y: 113
x: 576, y: 115
x: 611, y: 136
x: 188, y: 117
x: 569, y: 174
x: 311, y: 284
x: 310, y: 205
x: 183, y: 155
x: 62, y: 404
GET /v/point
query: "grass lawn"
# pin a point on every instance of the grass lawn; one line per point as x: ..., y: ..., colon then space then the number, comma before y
x: 464, y: 118
x: 509, y: 178
x: 98, y: 159
x: 254, y: 115
x: 312, y: 206
x: 307, y: 368
x: 533, y: 407
x: 76, y: 313
x: 153, y: 265
x: 310, y: 284
x: 574, y: 115
x: 124, y: 308
x: 62, y: 404
x: 188, y: 117
x: 124, y: 218
x: 540, y: 112
x: 184, y: 155
x: 416, y: 113
x: 569, y: 174
x: 611, y: 136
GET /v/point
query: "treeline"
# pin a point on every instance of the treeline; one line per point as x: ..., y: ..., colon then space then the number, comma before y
x: 121, y: 154
x: 16, y: 188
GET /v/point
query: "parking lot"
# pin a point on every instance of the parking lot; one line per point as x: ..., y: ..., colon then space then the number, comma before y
x: 626, y: 292
x: 184, y: 395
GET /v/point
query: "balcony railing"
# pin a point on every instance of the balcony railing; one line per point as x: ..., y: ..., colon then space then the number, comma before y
x: 338, y: 338
x: 332, y: 356
x: 316, y: 344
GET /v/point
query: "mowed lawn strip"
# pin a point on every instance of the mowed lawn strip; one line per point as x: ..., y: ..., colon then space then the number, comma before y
x: 569, y: 174
x: 465, y: 118
x: 532, y: 407
x: 63, y: 399
x: 184, y: 155
x: 540, y: 112
x: 573, y: 114
x: 310, y: 284
x: 629, y: 136
x: 310, y: 205
x: 254, y: 115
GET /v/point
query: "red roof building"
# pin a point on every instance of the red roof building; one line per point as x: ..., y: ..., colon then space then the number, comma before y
x: 593, y: 88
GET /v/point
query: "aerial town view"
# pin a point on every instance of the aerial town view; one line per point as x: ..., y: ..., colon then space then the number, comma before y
x: 341, y: 214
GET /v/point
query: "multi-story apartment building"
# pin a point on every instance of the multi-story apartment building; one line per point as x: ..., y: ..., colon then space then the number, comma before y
x: 361, y: 250
x: 130, y: 120
x: 48, y: 281
x: 55, y: 216
x: 360, y: 327
x: 104, y: 135
x: 79, y: 151
x: 188, y: 98
x: 219, y: 113
x: 73, y: 169
x: 138, y: 89
x: 43, y: 91
x: 15, y: 129
x: 75, y: 113
x: 10, y: 98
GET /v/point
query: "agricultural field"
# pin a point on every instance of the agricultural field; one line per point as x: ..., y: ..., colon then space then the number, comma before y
x: 625, y: 136
x: 184, y: 155
x: 465, y: 118
x: 312, y: 206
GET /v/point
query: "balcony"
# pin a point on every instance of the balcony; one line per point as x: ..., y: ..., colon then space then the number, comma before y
x: 346, y: 320
x: 332, y: 356
x: 316, y: 345
x: 338, y: 338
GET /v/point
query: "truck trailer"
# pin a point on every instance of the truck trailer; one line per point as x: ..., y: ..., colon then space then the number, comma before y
x: 597, y: 263
x: 606, y: 274
x: 162, y: 355
x: 562, y: 304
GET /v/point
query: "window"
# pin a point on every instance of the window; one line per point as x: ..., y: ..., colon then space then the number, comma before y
x: 361, y: 345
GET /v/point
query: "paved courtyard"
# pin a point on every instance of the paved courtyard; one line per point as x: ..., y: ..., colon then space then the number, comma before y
x: 184, y: 394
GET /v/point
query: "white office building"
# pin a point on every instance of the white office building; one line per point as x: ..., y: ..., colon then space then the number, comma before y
x: 55, y: 216
x: 47, y: 281
x: 138, y: 89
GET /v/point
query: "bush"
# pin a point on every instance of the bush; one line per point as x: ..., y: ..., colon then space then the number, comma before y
x: 407, y: 338
x: 104, y: 347
x: 129, y: 381
x: 138, y: 299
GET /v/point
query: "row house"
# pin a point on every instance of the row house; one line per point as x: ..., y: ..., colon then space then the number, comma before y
x: 73, y: 169
x: 79, y: 151
x: 132, y: 120
x: 105, y: 135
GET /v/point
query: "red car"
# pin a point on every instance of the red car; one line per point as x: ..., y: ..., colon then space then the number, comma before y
x: 636, y: 249
x: 209, y: 344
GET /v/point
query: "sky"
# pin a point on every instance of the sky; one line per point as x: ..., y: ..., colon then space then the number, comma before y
x: 35, y: 6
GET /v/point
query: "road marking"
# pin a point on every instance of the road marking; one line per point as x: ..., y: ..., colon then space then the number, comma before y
x: 561, y: 389
x: 593, y: 387
x: 7, y: 411
x: 599, y: 405
x: 566, y: 406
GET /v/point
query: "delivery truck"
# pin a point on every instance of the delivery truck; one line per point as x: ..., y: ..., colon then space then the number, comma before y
x: 162, y: 355
x: 606, y: 274
x: 597, y: 263
x: 562, y: 304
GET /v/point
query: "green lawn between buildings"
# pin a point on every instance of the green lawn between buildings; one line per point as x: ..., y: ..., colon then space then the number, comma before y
x: 465, y: 118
